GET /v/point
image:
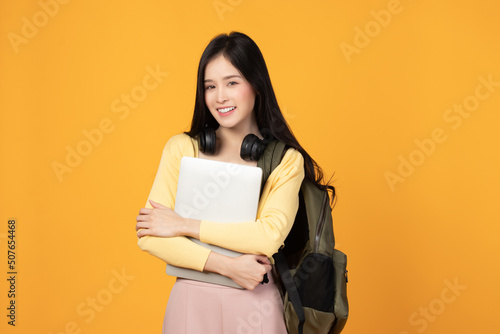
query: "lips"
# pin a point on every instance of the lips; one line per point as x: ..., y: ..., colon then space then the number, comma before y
x: 225, y: 110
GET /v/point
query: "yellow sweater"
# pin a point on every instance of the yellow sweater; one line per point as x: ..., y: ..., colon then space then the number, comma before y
x: 276, y: 211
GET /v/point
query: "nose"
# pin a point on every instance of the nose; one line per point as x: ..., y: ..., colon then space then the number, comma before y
x: 221, y: 95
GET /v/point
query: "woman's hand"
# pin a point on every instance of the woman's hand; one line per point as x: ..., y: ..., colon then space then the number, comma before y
x: 246, y: 270
x: 159, y: 221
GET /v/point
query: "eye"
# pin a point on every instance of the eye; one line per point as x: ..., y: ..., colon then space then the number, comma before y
x: 209, y: 87
x: 230, y: 83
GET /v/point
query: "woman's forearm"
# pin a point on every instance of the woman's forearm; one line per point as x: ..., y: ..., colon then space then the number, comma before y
x: 191, y: 228
x: 218, y: 263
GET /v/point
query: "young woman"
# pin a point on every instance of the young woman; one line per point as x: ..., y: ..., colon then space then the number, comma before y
x: 234, y: 98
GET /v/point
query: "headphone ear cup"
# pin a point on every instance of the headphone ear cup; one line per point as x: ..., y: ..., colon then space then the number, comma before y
x: 207, y: 140
x: 252, y: 147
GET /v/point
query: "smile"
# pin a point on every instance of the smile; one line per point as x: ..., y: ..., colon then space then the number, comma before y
x: 225, y: 110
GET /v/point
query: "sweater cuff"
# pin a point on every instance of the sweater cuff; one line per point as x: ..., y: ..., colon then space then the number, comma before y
x: 198, y: 262
x: 203, y: 229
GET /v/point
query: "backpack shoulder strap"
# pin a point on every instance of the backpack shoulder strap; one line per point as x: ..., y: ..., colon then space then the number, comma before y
x: 270, y: 159
x: 291, y: 288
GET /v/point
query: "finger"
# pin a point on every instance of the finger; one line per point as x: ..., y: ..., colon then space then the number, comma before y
x: 145, y: 211
x: 268, y: 267
x: 142, y: 218
x: 142, y: 233
x: 141, y: 225
x: 263, y: 259
x: 156, y: 205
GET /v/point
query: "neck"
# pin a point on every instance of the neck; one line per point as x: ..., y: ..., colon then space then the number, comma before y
x: 231, y: 138
x: 234, y: 136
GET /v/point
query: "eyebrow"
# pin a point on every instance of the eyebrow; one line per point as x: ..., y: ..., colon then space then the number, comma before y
x: 226, y: 77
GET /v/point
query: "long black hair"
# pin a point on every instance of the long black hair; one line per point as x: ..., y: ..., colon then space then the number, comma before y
x: 244, y: 54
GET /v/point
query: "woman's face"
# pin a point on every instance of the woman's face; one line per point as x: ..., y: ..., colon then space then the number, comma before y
x: 229, y: 96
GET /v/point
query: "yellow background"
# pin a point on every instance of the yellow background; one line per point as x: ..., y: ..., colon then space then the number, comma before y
x: 358, y: 114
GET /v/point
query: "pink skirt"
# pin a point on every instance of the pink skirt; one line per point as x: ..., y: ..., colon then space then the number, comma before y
x: 203, y: 308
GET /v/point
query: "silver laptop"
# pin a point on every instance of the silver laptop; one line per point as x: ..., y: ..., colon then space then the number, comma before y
x: 215, y: 191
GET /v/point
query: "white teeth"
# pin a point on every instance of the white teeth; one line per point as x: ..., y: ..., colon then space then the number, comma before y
x: 225, y: 110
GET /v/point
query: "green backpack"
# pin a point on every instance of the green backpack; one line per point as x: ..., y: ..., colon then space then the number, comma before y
x: 311, y: 271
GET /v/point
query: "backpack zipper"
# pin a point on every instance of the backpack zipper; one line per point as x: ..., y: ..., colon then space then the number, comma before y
x: 321, y: 222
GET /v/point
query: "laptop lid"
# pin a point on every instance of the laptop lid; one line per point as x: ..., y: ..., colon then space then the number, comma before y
x: 215, y: 191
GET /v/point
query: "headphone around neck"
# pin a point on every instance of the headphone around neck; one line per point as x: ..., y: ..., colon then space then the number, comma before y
x: 252, y: 146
